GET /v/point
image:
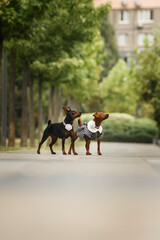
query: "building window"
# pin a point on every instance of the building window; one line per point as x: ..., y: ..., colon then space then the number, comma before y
x: 122, y: 40
x: 123, y: 17
x: 143, y: 36
x: 145, y: 16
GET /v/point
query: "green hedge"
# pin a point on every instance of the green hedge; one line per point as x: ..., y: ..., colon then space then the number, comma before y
x: 121, y: 127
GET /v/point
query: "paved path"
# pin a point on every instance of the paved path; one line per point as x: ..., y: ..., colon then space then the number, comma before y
x: 115, y: 196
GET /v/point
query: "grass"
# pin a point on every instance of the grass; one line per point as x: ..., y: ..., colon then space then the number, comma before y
x: 57, y: 146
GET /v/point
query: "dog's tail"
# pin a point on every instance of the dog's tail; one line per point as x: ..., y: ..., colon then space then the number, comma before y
x: 49, y: 123
x: 46, y: 132
x: 79, y: 122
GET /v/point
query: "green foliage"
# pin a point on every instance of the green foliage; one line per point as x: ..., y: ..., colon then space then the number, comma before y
x: 87, y: 72
x: 60, y: 40
x: 60, y: 43
x: 146, y: 71
x: 11, y: 21
x: 120, y: 127
x: 3, y: 3
x: 95, y: 102
x: 117, y: 90
x: 67, y: 41
x: 110, y: 46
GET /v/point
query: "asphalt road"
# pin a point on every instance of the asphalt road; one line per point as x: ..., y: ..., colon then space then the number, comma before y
x: 115, y: 196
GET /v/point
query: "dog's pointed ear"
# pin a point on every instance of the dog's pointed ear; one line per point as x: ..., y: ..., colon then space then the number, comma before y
x: 65, y: 110
x: 95, y: 114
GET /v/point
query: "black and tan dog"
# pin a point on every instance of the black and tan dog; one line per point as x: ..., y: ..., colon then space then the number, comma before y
x: 91, y: 130
x: 61, y: 130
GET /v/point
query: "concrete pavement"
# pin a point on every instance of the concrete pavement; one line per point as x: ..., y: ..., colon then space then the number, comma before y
x: 114, y: 196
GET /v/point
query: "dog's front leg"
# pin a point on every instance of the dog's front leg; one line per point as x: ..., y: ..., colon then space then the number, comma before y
x: 63, y: 148
x: 73, y: 149
x: 73, y: 138
x: 98, y: 150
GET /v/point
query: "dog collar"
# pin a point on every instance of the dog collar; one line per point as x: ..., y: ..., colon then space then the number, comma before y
x: 93, y: 128
x: 68, y: 127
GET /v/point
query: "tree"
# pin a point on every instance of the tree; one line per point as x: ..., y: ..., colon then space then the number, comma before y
x: 17, y: 21
x: 3, y: 3
x: 57, y: 44
x: 75, y: 59
x: 118, y: 91
x: 146, y: 72
x: 8, y: 21
x: 87, y: 72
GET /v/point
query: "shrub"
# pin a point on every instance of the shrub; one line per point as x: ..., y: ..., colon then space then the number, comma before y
x: 121, y: 127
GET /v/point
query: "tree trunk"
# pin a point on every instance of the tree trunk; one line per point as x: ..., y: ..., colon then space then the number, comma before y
x: 50, y: 112
x: 4, y: 101
x: 139, y: 110
x: 61, y: 111
x: 56, y: 105
x: 31, y: 113
x: 24, y: 117
x: 40, y: 112
x: 11, y: 139
x: 71, y: 103
x: 1, y: 47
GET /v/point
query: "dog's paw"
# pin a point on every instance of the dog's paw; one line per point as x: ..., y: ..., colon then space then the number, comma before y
x: 99, y: 153
x: 69, y: 153
x: 53, y: 152
x: 38, y: 152
x: 64, y: 153
x: 88, y: 153
x: 75, y: 153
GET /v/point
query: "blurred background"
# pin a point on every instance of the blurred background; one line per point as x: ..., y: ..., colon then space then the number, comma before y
x: 89, y: 55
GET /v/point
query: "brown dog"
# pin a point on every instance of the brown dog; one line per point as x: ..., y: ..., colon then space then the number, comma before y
x: 90, y: 131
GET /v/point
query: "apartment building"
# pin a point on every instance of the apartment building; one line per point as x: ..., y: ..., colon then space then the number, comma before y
x: 133, y: 20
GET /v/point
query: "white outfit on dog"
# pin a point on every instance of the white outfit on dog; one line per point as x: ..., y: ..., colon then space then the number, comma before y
x: 68, y: 127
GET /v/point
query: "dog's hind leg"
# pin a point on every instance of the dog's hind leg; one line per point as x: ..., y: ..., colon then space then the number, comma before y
x: 87, y: 145
x: 98, y: 149
x: 70, y: 148
x: 54, y: 139
x: 44, y: 138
